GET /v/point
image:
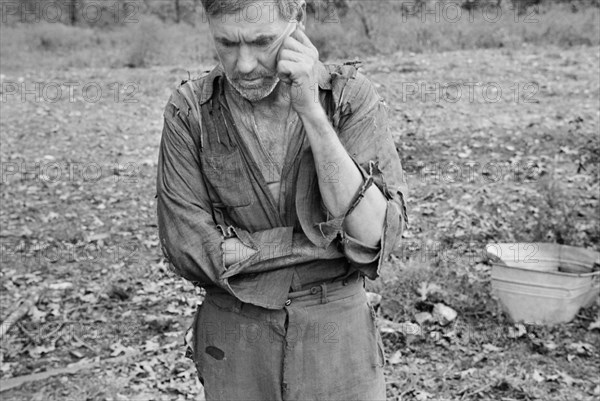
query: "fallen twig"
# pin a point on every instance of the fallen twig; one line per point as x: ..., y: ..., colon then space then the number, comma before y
x: 83, y: 343
x: 21, y: 311
x: 13, y: 382
x: 479, y: 390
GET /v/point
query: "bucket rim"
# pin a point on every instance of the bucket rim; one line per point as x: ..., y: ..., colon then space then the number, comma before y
x: 557, y: 273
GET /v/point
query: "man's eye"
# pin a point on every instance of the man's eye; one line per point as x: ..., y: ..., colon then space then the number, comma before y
x: 262, y: 42
x: 227, y: 43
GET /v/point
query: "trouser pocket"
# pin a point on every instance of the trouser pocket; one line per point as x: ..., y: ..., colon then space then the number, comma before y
x: 381, y: 360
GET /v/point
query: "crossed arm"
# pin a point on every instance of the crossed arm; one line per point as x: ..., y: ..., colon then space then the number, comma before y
x: 360, y: 145
x: 365, y: 222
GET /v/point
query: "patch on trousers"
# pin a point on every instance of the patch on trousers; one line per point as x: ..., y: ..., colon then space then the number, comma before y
x: 215, y: 352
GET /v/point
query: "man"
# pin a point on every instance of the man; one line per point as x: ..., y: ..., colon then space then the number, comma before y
x: 279, y: 189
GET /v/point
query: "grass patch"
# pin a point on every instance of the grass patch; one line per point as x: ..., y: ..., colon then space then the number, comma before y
x: 386, y: 29
x: 446, y: 26
x: 150, y: 42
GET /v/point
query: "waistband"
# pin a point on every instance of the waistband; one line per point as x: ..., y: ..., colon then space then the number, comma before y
x: 321, y: 293
x: 317, y: 293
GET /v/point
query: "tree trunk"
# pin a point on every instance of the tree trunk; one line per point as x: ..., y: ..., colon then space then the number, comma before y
x: 177, y: 12
x: 73, y: 12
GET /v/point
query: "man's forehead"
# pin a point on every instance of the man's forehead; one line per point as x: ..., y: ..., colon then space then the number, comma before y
x: 231, y: 28
x: 255, y: 13
x: 247, y: 30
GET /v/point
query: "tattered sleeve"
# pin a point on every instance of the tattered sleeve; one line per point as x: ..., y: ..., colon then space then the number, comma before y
x: 361, y: 120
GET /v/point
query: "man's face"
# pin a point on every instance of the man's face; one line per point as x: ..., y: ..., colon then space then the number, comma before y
x: 247, y: 45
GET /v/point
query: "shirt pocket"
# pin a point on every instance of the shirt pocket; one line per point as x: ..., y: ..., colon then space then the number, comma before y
x: 226, y: 174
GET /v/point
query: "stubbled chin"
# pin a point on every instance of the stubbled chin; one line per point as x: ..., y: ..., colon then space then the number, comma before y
x: 255, y: 94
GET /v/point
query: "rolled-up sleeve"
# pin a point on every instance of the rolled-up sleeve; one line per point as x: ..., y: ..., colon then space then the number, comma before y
x: 363, y: 128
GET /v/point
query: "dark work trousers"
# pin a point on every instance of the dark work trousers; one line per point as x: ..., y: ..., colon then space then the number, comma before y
x: 323, y: 345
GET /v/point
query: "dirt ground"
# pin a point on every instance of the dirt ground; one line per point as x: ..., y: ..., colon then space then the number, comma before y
x: 499, y: 146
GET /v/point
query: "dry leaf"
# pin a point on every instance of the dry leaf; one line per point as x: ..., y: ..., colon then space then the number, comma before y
x: 423, y: 317
x: 538, y: 376
x: 491, y: 348
x: 395, y: 358
x: 39, y: 350
x: 428, y: 288
x: 374, y: 299
x: 422, y: 395
x: 118, y: 349
x: 568, y: 380
x: 517, y: 331
x: 61, y: 286
x: 581, y: 348
x: 36, y: 315
x: 444, y: 314
x: 595, y: 325
x: 151, y: 345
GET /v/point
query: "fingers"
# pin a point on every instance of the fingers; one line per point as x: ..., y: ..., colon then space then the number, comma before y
x: 287, y: 54
x: 296, y: 58
x: 284, y: 35
x: 293, y: 44
x: 287, y: 70
x: 301, y: 37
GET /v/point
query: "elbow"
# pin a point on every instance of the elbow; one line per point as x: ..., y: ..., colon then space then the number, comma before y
x: 370, y: 229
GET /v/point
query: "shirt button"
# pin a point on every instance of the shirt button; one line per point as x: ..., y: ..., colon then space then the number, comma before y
x: 288, y: 302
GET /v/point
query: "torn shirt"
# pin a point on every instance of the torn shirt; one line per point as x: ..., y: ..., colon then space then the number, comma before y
x: 211, y: 186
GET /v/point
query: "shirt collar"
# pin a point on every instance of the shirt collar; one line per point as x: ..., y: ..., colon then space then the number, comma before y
x: 215, y: 77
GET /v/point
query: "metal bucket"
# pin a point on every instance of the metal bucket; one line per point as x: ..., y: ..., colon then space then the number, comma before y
x: 541, y: 283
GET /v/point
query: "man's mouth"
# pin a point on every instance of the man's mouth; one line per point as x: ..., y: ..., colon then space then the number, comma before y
x: 250, y: 82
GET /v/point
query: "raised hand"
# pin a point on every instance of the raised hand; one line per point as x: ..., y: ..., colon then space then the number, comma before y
x: 297, y: 66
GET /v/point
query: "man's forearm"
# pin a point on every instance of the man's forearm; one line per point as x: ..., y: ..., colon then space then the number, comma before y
x: 340, y: 179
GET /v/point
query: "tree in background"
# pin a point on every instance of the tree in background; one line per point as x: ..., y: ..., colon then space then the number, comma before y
x: 365, y: 12
x: 72, y: 6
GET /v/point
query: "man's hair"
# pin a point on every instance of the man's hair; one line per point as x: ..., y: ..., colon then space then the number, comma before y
x: 287, y: 8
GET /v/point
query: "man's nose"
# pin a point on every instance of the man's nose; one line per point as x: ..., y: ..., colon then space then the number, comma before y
x: 247, y: 61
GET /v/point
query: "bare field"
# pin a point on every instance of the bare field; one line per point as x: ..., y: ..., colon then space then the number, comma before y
x: 499, y: 145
